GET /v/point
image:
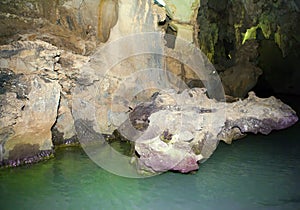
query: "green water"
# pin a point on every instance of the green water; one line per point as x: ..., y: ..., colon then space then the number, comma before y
x: 258, y: 172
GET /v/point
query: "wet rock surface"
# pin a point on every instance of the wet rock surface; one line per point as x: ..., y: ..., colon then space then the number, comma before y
x: 28, y: 159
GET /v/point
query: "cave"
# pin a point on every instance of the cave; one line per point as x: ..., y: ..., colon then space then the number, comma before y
x: 106, y: 103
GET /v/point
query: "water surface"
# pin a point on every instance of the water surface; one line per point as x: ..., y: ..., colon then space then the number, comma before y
x: 258, y: 172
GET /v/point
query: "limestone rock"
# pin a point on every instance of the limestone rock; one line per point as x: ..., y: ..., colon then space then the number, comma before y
x: 108, y: 16
x: 226, y: 26
x: 64, y: 130
x: 256, y: 115
x: 27, y: 57
x: 245, y: 77
x: 36, y: 83
x: 70, y: 24
x: 244, y: 71
x: 27, y: 116
x: 100, y: 79
x: 203, y: 121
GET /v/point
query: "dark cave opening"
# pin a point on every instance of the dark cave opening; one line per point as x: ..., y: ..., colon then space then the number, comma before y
x: 280, y: 74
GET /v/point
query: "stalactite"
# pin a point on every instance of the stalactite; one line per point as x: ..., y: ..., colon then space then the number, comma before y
x: 107, y: 18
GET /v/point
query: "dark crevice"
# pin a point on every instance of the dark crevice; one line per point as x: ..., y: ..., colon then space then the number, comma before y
x: 170, y: 37
x: 137, y: 154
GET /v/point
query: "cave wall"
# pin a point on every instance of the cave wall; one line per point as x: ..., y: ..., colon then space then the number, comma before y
x: 68, y: 24
x: 226, y: 29
x: 230, y: 29
x: 253, y: 44
x: 41, y: 42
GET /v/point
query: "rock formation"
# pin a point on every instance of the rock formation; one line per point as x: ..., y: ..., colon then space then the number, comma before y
x: 53, y: 58
x: 182, y: 130
x: 36, y: 81
x: 68, y: 25
x: 227, y: 25
x: 28, y: 111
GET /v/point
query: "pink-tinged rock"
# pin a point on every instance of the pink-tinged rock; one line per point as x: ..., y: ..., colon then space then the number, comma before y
x: 192, y: 116
x: 188, y: 164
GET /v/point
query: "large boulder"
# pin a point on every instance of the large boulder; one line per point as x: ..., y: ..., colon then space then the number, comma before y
x: 36, y: 81
x: 28, y: 111
x: 244, y: 71
x: 180, y: 131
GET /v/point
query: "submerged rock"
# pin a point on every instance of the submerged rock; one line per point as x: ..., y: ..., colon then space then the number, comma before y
x: 194, y: 124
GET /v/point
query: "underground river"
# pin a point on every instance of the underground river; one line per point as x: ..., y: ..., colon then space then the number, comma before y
x: 257, y: 172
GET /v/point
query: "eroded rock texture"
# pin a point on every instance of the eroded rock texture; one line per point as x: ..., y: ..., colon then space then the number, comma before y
x: 68, y: 24
x: 36, y: 81
x: 183, y: 130
x: 45, y: 45
x: 226, y: 26
x: 27, y: 115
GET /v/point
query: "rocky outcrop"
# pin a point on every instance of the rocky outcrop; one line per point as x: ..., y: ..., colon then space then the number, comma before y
x: 219, y: 28
x: 67, y: 24
x: 245, y: 72
x: 36, y: 82
x: 28, y: 111
x: 48, y: 84
x: 180, y: 131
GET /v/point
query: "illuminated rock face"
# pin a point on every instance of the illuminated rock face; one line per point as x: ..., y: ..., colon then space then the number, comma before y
x: 36, y: 80
x: 71, y: 30
x: 183, y: 16
x: 29, y: 100
x: 27, y: 118
x: 184, y: 129
x: 218, y: 27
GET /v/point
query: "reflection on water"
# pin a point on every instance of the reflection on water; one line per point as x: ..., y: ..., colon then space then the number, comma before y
x: 258, y: 172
